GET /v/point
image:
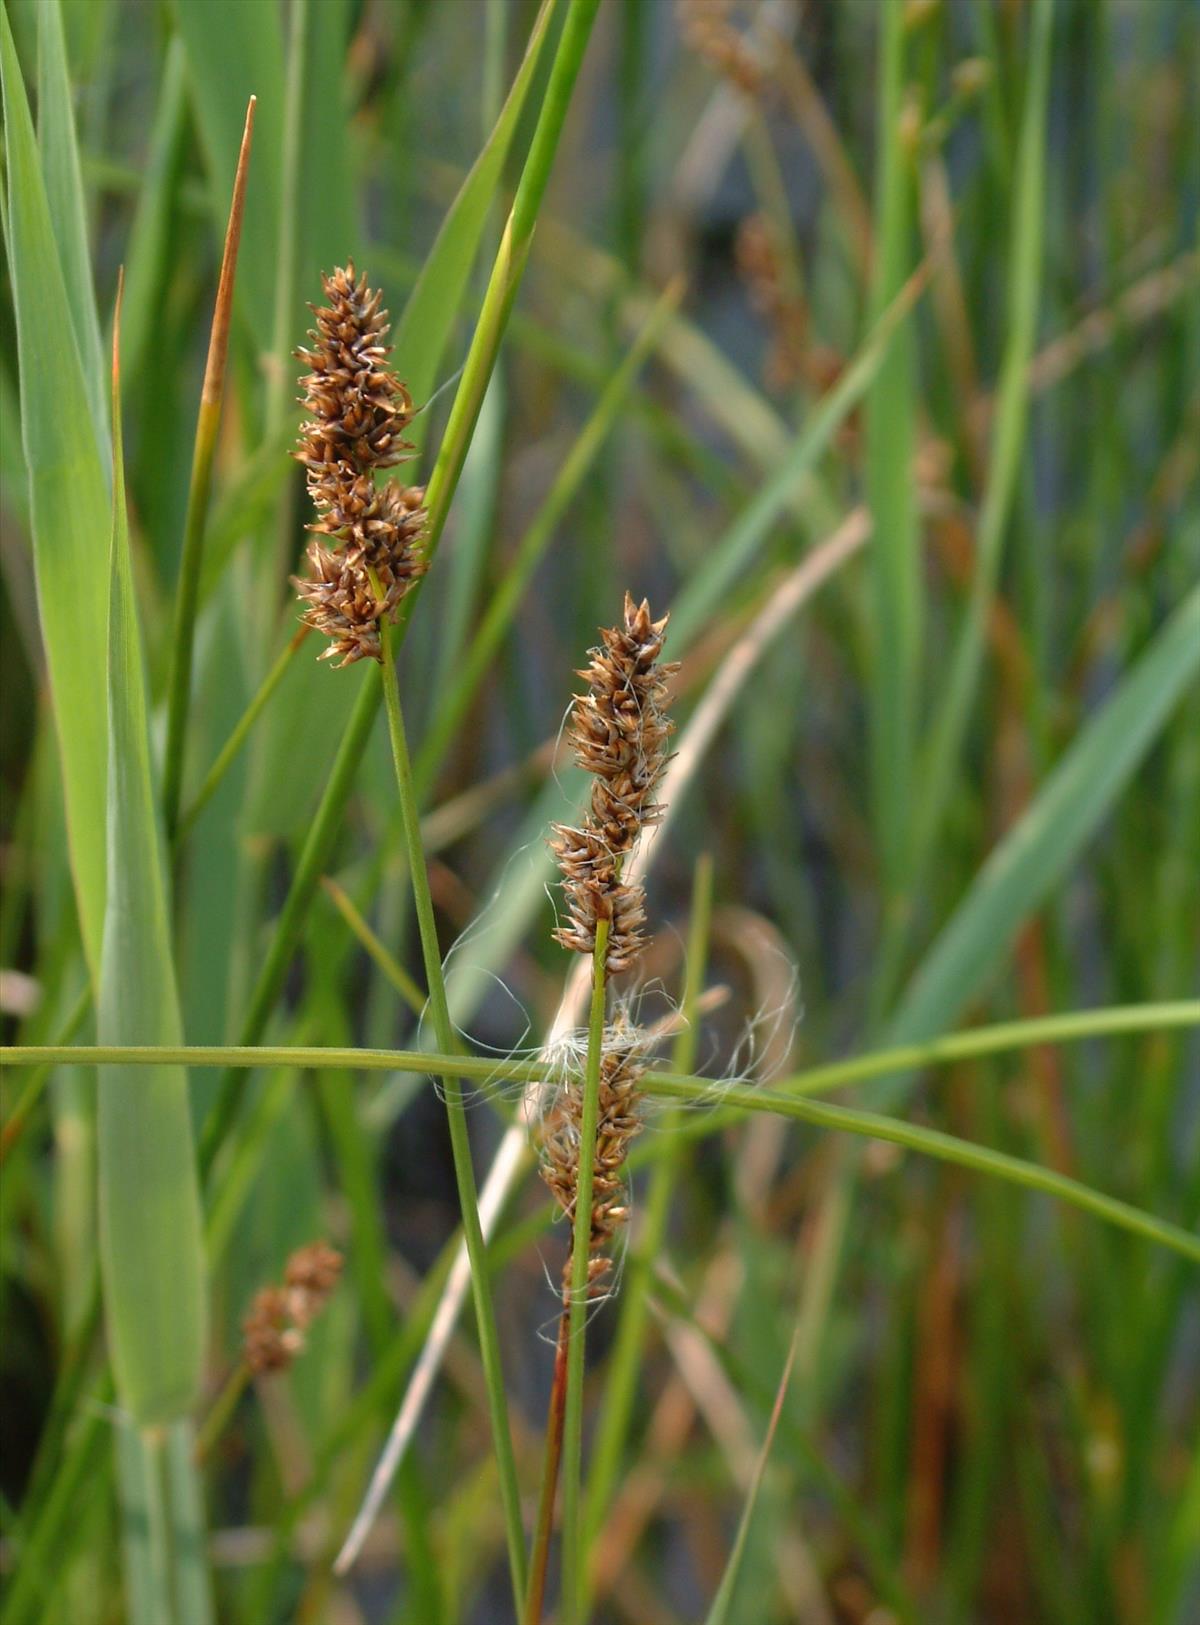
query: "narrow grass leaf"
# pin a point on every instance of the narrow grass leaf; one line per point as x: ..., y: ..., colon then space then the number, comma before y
x: 150, y: 1235
x: 706, y: 590
x: 423, y: 330
x: 890, y: 425
x: 485, y: 345
x: 506, y: 599
x: 722, y: 1603
x: 1031, y: 860
x: 69, y: 501
x: 1012, y: 410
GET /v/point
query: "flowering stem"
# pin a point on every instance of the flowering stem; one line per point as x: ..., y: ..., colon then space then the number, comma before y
x: 539, y: 1558
x: 221, y: 1412
x: 489, y: 1342
x: 232, y: 747
x: 572, y: 1557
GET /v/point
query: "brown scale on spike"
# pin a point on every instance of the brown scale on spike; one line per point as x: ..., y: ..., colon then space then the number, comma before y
x: 358, y: 412
x: 619, y: 732
x: 274, y: 1330
x: 617, y: 1123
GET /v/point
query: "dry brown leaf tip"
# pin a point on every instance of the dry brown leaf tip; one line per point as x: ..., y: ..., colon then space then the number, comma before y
x: 371, y: 547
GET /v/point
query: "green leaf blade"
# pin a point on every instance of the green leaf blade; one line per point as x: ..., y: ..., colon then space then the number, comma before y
x: 69, y: 501
x: 150, y: 1228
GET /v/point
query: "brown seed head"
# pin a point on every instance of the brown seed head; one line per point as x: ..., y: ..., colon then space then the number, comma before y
x: 271, y: 1341
x: 706, y: 29
x: 759, y: 266
x: 279, y: 1316
x: 619, y: 731
x: 617, y: 1123
x: 359, y: 411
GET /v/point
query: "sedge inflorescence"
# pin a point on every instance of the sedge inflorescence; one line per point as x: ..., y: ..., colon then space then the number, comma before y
x: 619, y: 732
x: 274, y: 1331
x: 618, y: 1120
x: 369, y: 549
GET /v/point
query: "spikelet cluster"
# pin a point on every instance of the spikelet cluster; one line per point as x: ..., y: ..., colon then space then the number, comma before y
x: 759, y: 266
x: 707, y: 30
x: 275, y: 1328
x: 618, y: 1121
x: 619, y: 732
x: 370, y: 551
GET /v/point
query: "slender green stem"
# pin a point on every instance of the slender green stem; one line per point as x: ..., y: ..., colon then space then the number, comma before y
x: 14, y: 1123
x: 1068, y: 1028
x: 572, y: 1523
x: 220, y: 1413
x: 948, y: 1148
x: 539, y: 1559
x: 456, y: 1116
x: 391, y: 967
x: 624, y: 1364
x: 944, y: 750
x: 232, y: 747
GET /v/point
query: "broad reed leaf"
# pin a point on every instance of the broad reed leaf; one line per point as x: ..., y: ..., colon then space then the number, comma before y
x: 192, y: 1581
x: 150, y: 1236
x: 68, y: 212
x: 69, y: 502
x: 163, y: 1542
x: 143, y: 1528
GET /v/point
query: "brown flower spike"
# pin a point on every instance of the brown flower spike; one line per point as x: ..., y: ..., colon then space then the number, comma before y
x: 619, y: 732
x: 358, y: 412
x: 617, y: 1123
x: 280, y: 1316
